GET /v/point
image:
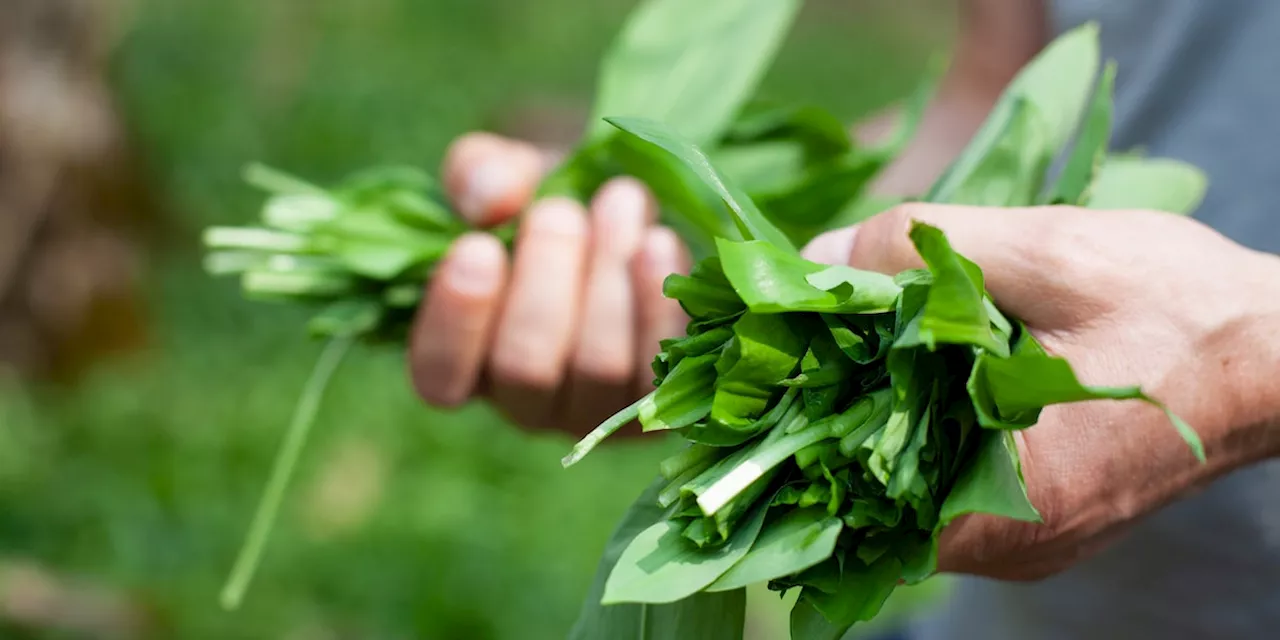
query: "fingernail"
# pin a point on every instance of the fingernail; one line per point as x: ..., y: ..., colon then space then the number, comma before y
x: 486, y: 186
x: 832, y: 247
x: 475, y: 265
x: 662, y: 252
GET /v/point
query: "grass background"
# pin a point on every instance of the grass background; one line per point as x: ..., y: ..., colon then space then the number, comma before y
x: 403, y: 522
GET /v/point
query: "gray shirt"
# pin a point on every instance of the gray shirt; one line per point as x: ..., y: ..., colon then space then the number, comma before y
x: 1199, y: 80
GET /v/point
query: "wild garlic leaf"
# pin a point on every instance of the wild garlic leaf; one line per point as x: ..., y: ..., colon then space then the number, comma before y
x: 765, y: 350
x: 861, y: 593
x: 790, y: 544
x: 1090, y: 149
x: 751, y: 223
x: 770, y: 280
x: 1030, y: 379
x: 662, y: 566
x: 1158, y: 184
x: 715, y: 616
x: 1056, y: 84
x: 808, y: 624
x: 691, y: 65
x: 683, y: 398
x: 991, y: 482
x: 1011, y: 172
x: 955, y: 310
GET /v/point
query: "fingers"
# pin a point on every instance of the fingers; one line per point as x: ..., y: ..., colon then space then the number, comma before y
x: 662, y: 254
x: 490, y: 178
x: 832, y: 247
x: 603, y: 360
x: 536, y: 329
x: 449, y: 337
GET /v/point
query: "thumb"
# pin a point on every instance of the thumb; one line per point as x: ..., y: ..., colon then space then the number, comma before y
x: 490, y: 179
x: 1005, y: 242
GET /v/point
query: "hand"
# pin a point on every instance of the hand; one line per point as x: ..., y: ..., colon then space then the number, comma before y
x: 563, y: 334
x: 1126, y: 297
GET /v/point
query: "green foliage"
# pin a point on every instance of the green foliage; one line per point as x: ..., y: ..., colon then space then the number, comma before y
x: 908, y: 386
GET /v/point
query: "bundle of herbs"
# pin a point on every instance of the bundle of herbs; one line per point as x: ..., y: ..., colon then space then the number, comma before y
x: 360, y: 252
x: 839, y: 419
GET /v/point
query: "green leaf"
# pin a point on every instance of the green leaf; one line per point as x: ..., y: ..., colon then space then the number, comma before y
x: 1012, y: 170
x: 752, y: 224
x: 662, y: 566
x: 808, y: 624
x: 1074, y: 185
x: 1158, y: 184
x: 790, y: 544
x: 861, y: 593
x: 764, y: 351
x: 1056, y: 85
x: 1020, y: 385
x: 691, y: 65
x: 955, y: 311
x: 770, y: 280
x: 715, y: 616
x: 683, y: 398
x: 991, y: 482
x: 373, y: 244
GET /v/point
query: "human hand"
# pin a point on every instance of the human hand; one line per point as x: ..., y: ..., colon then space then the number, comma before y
x: 1125, y: 297
x: 563, y: 333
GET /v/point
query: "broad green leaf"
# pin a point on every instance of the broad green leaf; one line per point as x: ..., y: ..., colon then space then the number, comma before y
x: 751, y: 223
x: 770, y: 280
x: 1159, y: 184
x: 1056, y: 84
x: 808, y: 624
x: 955, y: 311
x: 662, y: 566
x: 790, y: 544
x: 991, y: 482
x: 715, y: 616
x: 762, y: 167
x: 1012, y: 170
x: 861, y: 593
x: 1073, y: 186
x: 764, y: 351
x: 691, y: 65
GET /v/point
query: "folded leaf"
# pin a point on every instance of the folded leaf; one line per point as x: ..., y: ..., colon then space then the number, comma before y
x: 798, y: 540
x: 662, y: 566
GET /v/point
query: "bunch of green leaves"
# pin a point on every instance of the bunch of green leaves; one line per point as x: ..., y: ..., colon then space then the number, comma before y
x: 360, y: 251
x: 838, y: 419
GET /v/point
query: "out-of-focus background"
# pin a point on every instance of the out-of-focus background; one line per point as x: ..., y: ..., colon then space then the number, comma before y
x: 141, y: 402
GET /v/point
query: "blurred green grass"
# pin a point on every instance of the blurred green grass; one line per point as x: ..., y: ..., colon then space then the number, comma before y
x: 404, y: 522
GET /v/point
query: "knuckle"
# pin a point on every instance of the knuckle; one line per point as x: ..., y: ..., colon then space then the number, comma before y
x: 525, y: 365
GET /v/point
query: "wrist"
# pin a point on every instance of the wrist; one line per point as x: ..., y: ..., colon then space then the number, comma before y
x: 1247, y: 353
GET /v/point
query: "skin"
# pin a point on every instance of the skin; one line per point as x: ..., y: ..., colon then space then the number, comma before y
x: 562, y: 335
